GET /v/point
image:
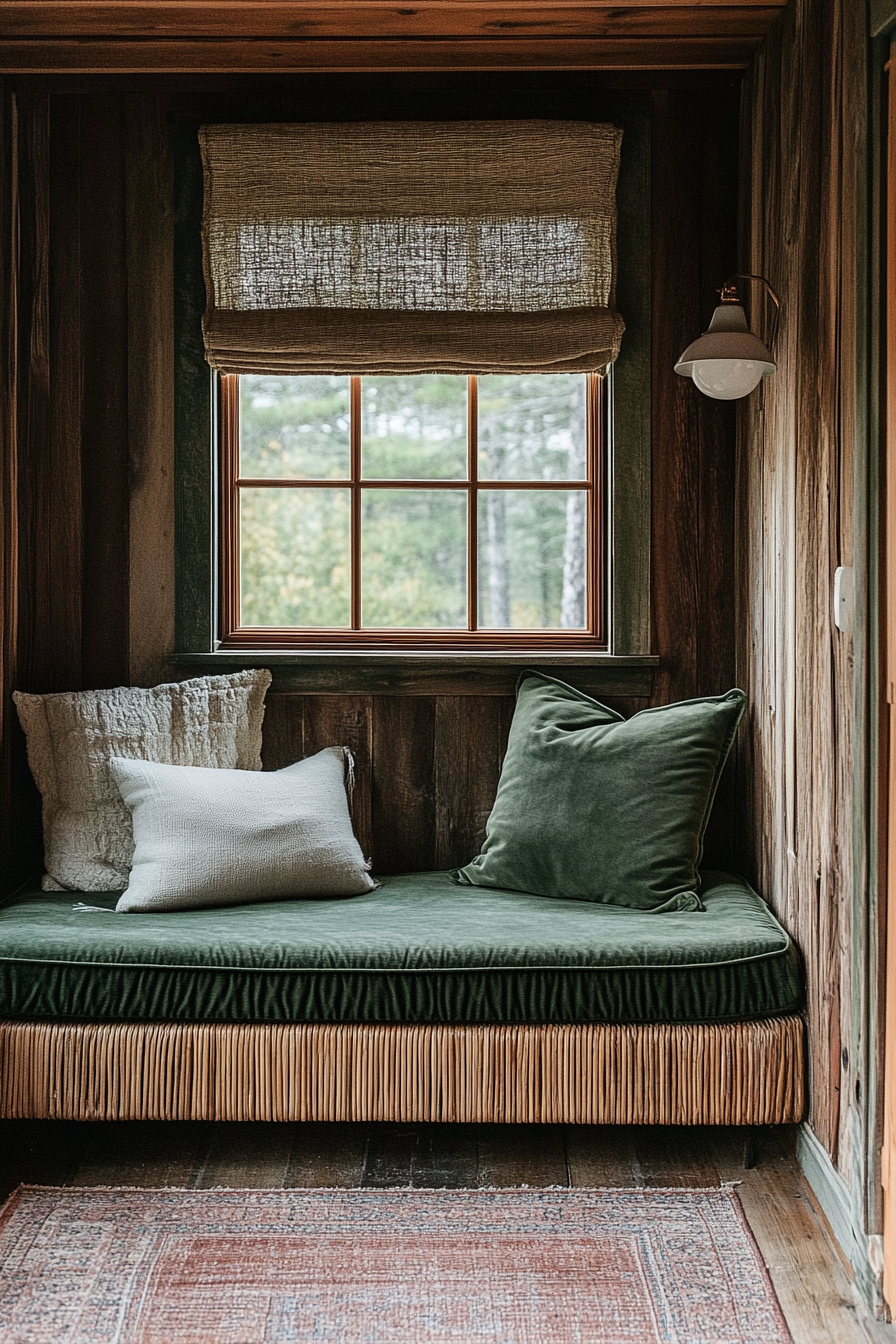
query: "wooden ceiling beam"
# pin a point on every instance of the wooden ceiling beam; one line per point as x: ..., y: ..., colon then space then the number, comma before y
x: 81, y: 36
x: 38, y: 22
x: 221, y: 56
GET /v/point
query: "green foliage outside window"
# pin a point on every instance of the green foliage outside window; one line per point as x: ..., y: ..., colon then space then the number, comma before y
x: 295, y: 541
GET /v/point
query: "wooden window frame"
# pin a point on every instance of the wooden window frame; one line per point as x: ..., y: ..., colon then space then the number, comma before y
x: 233, y: 636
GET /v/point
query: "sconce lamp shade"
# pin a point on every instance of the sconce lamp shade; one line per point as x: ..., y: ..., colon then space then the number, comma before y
x: 727, y: 361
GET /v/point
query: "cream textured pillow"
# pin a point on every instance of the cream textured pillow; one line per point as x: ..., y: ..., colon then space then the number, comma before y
x: 224, y: 837
x: 88, y: 843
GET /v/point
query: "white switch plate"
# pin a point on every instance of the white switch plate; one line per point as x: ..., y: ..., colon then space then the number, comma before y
x: 844, y: 598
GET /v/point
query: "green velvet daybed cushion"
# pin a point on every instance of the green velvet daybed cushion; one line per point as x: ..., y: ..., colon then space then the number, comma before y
x: 419, y: 949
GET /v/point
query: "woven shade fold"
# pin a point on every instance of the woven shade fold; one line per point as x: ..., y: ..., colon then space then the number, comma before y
x: 410, y: 247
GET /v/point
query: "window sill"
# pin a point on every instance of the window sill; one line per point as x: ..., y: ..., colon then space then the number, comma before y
x: 426, y: 673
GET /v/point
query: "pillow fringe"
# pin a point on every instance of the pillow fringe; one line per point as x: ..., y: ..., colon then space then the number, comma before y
x: 349, y: 759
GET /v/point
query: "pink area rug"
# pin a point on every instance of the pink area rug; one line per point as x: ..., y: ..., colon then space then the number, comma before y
x: 93, y: 1266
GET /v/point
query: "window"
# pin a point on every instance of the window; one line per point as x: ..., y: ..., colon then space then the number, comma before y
x: 249, y: 348
x: 435, y: 510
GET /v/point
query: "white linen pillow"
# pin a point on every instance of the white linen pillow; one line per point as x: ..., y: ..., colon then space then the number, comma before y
x: 225, y: 837
x: 88, y: 842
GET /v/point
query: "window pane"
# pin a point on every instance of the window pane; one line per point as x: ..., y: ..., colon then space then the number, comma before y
x: 296, y: 557
x: 294, y: 426
x: 532, y: 559
x: 532, y: 427
x: 414, y: 558
x: 414, y: 428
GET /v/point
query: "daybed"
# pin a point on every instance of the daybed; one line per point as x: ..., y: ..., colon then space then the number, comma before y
x: 422, y: 1000
x: 626, y: 990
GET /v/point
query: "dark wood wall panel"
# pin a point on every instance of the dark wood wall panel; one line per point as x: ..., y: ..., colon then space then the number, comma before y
x: 403, y: 783
x: 694, y: 251
x: 345, y: 721
x: 9, y: 522
x: 470, y: 742
x: 61, y: 616
x: 693, y: 468
x: 150, y: 345
x: 28, y: 647
x: 35, y: 477
x: 104, y: 424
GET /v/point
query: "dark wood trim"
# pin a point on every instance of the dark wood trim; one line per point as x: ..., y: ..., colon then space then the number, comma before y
x: 298, y: 56
x: 228, y: 458
x: 371, y: 674
x: 185, y: 20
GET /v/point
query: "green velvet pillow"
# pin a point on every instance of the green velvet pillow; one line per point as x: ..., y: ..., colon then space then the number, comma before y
x: 600, y: 808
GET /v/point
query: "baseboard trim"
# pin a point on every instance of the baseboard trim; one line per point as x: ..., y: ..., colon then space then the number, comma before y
x: 835, y: 1201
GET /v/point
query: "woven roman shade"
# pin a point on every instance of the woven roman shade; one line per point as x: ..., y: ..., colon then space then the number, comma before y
x: 410, y: 247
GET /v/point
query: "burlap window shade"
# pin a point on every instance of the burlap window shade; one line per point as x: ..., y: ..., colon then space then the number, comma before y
x: 410, y: 247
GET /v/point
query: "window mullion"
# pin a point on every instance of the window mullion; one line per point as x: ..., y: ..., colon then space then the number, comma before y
x: 355, y: 449
x: 472, y: 504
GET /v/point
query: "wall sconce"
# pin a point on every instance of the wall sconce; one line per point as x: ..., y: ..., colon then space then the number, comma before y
x: 728, y: 361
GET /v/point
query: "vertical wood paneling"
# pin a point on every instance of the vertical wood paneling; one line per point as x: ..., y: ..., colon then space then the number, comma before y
x: 803, y: 118
x: 11, y: 744
x: 403, y: 836
x: 104, y: 416
x: 28, y: 645
x: 296, y: 726
x: 346, y: 721
x: 694, y: 250
x: 33, y: 392
x: 694, y: 232
x: 60, y: 614
x: 470, y: 741
x: 150, y: 374
x: 283, y: 731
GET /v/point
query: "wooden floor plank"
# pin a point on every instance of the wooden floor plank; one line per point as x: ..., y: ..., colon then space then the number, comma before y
x: 389, y: 1160
x: 522, y: 1155
x: 38, y: 1152
x: 603, y: 1156
x: 814, y: 1289
x: 447, y: 1157
x: 676, y: 1156
x: 248, y: 1155
x: 327, y: 1155
x: 142, y: 1153
x: 815, y: 1293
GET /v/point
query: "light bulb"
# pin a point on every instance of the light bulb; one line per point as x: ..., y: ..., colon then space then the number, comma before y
x: 727, y: 379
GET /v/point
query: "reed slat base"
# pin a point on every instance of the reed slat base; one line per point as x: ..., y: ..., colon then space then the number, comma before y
x: 746, y: 1073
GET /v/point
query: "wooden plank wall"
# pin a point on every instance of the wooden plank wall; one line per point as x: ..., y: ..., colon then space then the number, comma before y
x: 94, y: 451
x: 800, y: 765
